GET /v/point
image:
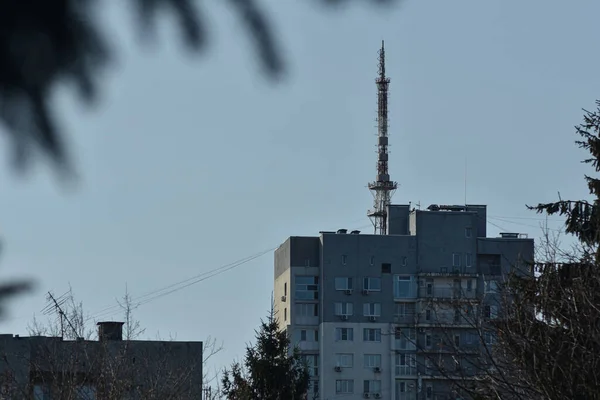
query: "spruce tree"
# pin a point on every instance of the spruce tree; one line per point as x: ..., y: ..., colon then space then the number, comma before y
x: 552, y: 338
x: 270, y: 371
x: 582, y: 216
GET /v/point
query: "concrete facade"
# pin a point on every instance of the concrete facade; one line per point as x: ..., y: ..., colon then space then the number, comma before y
x: 372, y: 312
x: 44, y: 368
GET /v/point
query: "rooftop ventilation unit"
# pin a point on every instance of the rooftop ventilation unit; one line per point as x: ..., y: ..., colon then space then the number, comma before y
x: 442, y: 207
x: 342, y: 231
x: 354, y: 232
x: 509, y: 235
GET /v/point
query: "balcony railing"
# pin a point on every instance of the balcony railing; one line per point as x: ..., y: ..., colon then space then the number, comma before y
x: 405, y: 370
x: 446, y: 293
x: 449, y: 271
x: 406, y: 318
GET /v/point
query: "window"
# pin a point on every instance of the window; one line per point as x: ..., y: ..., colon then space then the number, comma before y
x: 386, y: 268
x: 404, y: 310
x: 468, y: 260
x: 86, y: 392
x: 457, y: 340
x: 307, y: 288
x: 372, y: 284
x: 428, y: 366
x: 490, y: 312
x: 472, y: 338
x: 468, y: 232
x: 489, y: 338
x: 372, y: 361
x: 307, y: 262
x: 344, y: 334
x: 344, y: 360
x: 371, y: 335
x: 403, y: 287
x: 285, y: 289
x: 491, y: 286
x: 428, y: 340
x: 343, y: 308
x: 406, y: 338
x: 405, y: 364
x: 312, y: 361
x: 344, y: 386
x: 372, y: 386
x: 344, y: 258
x: 456, y: 259
x: 404, y: 261
x: 314, y: 387
x: 307, y: 309
x: 429, y: 392
x: 428, y: 315
x: 400, y: 387
x: 343, y: 283
x: 469, y: 285
x: 429, y: 289
x: 372, y: 261
x: 456, y: 315
x: 285, y: 314
x: 309, y: 335
x: 372, y: 309
x: 41, y: 392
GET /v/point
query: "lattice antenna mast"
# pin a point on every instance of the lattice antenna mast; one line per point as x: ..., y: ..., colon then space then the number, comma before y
x: 382, y: 188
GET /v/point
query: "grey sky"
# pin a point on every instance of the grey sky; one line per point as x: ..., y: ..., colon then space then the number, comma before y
x: 189, y: 164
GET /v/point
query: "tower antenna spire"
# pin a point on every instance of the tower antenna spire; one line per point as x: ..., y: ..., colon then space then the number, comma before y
x: 383, y: 187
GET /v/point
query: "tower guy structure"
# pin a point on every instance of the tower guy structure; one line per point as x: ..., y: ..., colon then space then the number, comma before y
x: 382, y: 188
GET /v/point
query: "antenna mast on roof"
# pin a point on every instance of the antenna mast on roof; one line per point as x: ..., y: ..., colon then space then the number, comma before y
x: 382, y: 188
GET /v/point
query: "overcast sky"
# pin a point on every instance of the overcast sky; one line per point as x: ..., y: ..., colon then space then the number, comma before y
x: 192, y: 163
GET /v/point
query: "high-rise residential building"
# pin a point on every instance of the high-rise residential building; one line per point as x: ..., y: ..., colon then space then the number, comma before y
x: 393, y: 316
x: 396, y: 314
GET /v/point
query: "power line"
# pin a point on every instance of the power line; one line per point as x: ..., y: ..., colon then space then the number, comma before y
x: 166, y: 290
x: 528, y: 225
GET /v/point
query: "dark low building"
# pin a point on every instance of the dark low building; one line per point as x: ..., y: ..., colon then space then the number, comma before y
x: 45, y: 368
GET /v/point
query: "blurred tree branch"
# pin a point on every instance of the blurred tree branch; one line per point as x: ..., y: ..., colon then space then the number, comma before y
x: 44, y: 43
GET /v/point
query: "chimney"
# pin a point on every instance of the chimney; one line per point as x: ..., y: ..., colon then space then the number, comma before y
x: 110, y: 330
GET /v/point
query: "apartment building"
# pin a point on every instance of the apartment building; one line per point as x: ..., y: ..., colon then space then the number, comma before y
x: 391, y: 316
x: 45, y: 368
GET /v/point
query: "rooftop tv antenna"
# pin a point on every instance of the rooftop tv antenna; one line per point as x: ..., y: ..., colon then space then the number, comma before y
x: 383, y: 187
x: 55, y: 306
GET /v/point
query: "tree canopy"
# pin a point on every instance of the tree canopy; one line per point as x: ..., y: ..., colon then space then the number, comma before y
x: 269, y: 371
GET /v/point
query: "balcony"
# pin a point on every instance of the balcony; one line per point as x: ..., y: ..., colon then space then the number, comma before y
x: 405, y: 370
x: 447, y: 272
x: 446, y: 293
x: 446, y: 348
x: 406, y: 318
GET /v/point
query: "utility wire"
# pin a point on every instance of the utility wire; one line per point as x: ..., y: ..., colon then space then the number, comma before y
x: 166, y: 290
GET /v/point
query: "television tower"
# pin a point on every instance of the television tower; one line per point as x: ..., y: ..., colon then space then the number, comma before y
x: 382, y: 188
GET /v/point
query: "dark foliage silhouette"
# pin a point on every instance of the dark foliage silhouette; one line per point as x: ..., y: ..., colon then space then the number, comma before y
x: 44, y: 43
x: 269, y: 371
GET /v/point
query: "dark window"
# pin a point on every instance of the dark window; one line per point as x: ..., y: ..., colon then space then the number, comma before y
x: 386, y: 268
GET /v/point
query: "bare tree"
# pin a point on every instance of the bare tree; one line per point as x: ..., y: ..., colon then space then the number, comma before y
x: 210, y: 378
x: 132, y: 328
